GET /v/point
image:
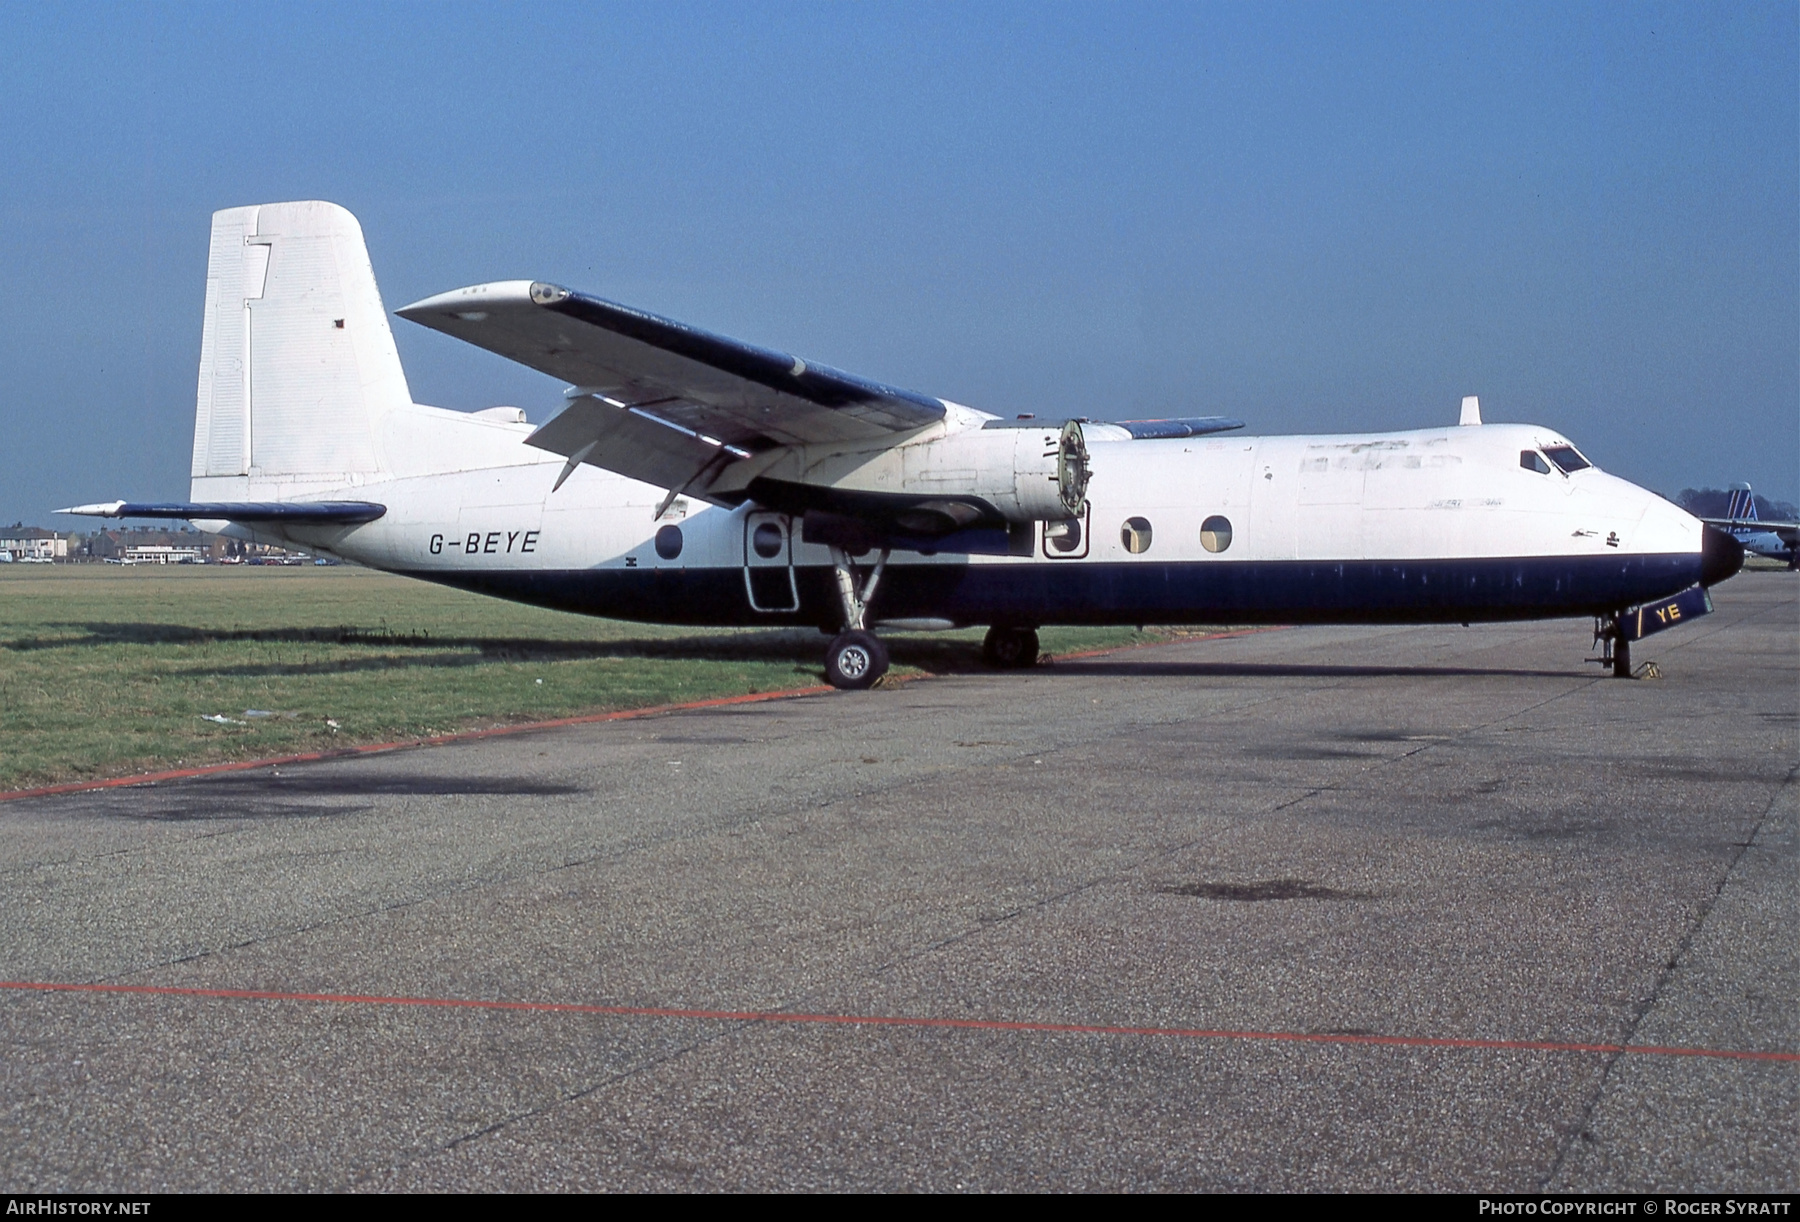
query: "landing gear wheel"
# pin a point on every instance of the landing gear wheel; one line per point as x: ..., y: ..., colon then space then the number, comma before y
x: 1010, y: 648
x: 855, y: 659
x: 1621, y: 658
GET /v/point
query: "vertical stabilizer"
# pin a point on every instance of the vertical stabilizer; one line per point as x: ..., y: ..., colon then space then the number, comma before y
x: 297, y: 364
x: 1742, y: 506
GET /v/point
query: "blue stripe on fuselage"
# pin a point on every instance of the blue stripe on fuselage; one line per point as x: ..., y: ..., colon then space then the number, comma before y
x: 1085, y: 592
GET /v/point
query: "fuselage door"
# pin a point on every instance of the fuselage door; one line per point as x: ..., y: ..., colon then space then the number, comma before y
x: 769, y: 563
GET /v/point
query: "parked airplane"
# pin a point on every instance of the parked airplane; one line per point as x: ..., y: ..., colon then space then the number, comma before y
x: 693, y: 479
x: 1776, y: 540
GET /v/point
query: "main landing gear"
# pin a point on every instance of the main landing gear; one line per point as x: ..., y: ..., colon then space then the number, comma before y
x: 856, y: 657
x: 1010, y: 648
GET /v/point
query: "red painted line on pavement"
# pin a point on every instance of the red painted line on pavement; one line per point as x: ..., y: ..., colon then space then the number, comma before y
x: 438, y: 740
x: 901, y: 1020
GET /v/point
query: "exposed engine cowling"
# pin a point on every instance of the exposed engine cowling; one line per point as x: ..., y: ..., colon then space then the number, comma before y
x: 989, y: 479
x: 1026, y: 471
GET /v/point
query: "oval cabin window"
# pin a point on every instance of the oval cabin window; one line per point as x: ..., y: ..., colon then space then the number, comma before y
x: 668, y: 542
x: 1063, y: 537
x: 767, y: 540
x: 1215, y: 533
x: 1135, y: 535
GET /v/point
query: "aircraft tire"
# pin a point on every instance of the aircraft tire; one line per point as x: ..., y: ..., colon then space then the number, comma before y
x: 1010, y: 648
x: 855, y: 659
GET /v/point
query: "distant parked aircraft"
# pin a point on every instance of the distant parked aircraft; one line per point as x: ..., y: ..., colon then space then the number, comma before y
x: 1776, y: 540
x: 695, y: 479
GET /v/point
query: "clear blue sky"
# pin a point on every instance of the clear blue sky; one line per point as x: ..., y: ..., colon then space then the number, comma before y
x: 1314, y: 217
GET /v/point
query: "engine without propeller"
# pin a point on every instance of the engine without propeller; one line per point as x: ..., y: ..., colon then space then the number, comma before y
x: 989, y: 473
x: 1026, y: 470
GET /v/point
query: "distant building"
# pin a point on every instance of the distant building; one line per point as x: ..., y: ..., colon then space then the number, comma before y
x: 33, y: 543
x: 162, y: 553
x: 149, y: 545
x: 120, y: 543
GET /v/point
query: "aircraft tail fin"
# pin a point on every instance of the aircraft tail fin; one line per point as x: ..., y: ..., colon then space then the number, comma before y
x: 297, y: 363
x: 1742, y: 506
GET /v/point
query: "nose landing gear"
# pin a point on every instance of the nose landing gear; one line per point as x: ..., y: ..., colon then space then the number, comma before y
x: 1615, y: 648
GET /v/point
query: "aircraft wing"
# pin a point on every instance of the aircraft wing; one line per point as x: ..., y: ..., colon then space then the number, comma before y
x: 677, y: 394
x: 1177, y: 427
x: 1788, y: 531
x: 674, y: 406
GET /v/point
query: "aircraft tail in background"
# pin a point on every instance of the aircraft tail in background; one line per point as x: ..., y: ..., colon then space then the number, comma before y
x: 1772, y: 540
x: 1742, y: 506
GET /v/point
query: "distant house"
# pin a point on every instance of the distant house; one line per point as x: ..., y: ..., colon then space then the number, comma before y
x: 149, y: 545
x: 22, y: 542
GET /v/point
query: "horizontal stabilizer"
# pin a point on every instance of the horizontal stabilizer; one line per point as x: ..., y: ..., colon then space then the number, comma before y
x: 323, y: 513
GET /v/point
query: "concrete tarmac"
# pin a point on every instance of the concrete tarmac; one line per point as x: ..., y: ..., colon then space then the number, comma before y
x: 1351, y: 834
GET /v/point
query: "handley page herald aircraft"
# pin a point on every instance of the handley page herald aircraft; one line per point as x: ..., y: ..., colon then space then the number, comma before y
x: 693, y: 479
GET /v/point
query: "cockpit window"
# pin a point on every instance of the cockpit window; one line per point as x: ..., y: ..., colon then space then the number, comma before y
x: 1531, y: 460
x: 1566, y: 457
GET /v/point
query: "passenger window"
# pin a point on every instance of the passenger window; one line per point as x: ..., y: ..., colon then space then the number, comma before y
x: 1068, y: 539
x: 766, y: 540
x: 1064, y: 536
x: 1567, y: 457
x: 1531, y: 460
x: 1215, y: 533
x: 1135, y: 535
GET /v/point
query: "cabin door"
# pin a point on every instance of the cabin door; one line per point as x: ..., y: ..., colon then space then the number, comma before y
x: 769, y: 563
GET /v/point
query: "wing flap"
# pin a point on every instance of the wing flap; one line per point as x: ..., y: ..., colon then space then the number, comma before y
x: 633, y: 443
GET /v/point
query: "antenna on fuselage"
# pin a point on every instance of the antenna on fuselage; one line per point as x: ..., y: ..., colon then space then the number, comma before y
x: 1471, y: 413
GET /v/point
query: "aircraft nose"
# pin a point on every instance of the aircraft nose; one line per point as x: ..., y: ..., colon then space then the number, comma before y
x: 1721, y: 556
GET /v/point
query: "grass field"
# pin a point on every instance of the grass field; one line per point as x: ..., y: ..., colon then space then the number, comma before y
x: 107, y: 671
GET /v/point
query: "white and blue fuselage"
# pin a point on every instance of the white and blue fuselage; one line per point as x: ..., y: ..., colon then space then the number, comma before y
x: 1450, y: 524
